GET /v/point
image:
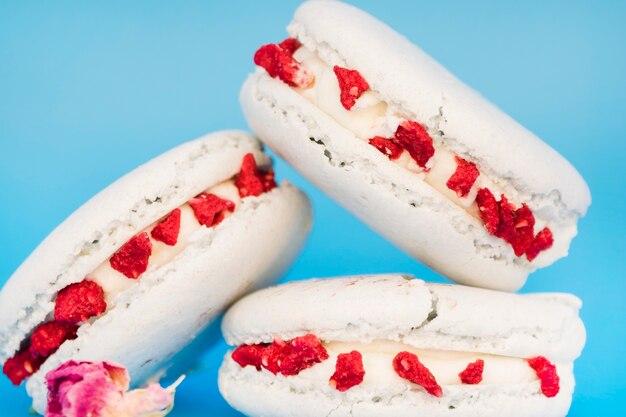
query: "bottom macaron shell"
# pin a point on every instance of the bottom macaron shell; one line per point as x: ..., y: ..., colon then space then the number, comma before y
x: 170, y: 306
x: 407, y: 212
x: 259, y: 394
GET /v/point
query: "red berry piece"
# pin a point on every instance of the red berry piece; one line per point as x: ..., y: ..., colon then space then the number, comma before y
x: 79, y: 302
x: 489, y: 210
x: 302, y: 353
x: 516, y: 226
x: 546, y: 372
x: 278, y: 61
x: 21, y: 366
x: 252, y: 182
x: 209, y: 209
x: 408, y: 366
x: 463, y: 178
x: 47, y: 337
x: 290, y: 45
x: 249, y: 355
x: 167, y: 230
x: 473, y: 373
x: 132, y: 258
x: 542, y: 241
x: 389, y: 147
x: 352, y: 85
x: 349, y: 371
x: 415, y: 139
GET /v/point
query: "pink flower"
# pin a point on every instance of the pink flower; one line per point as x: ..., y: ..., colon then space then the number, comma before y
x: 99, y: 389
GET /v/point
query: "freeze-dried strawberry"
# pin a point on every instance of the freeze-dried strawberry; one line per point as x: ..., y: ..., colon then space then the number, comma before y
x: 79, y: 302
x: 278, y: 61
x: 47, y: 337
x: 288, y: 358
x: 290, y: 45
x: 301, y: 353
x: 132, y: 258
x: 516, y: 226
x: 542, y: 241
x: 167, y: 230
x: 546, y: 372
x: 349, y: 371
x: 21, y: 366
x: 415, y: 139
x: 489, y: 210
x: 408, y: 366
x: 463, y: 178
x: 249, y: 355
x: 209, y: 209
x: 352, y: 85
x: 473, y: 373
x: 389, y: 147
x: 252, y: 182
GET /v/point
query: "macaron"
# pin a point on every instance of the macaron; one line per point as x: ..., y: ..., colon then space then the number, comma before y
x: 392, y: 345
x: 137, y: 272
x: 389, y: 133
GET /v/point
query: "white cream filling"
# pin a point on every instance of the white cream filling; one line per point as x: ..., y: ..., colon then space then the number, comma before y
x: 114, y: 282
x: 372, y: 117
x: 444, y: 365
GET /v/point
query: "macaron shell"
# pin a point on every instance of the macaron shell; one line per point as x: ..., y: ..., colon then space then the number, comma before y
x: 426, y: 316
x: 97, y: 229
x: 261, y: 393
x: 170, y: 305
x: 404, y: 74
x: 406, y: 211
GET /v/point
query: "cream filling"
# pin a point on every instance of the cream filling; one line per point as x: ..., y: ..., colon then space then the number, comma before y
x: 114, y: 282
x: 371, y: 117
x: 444, y: 365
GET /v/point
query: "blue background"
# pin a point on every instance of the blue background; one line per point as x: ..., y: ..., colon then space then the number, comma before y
x: 89, y: 90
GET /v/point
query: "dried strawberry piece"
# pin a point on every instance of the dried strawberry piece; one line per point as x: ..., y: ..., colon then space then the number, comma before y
x: 252, y: 182
x: 132, y: 258
x: 463, y: 178
x: 47, y: 337
x: 349, y: 371
x: 273, y: 356
x: 408, y: 366
x: 21, y: 366
x: 389, y: 147
x: 167, y: 230
x: 546, y: 372
x: 209, y: 209
x: 278, y: 61
x: 302, y: 352
x: 516, y: 226
x: 542, y: 241
x: 249, y: 355
x: 489, y: 210
x: 290, y: 45
x: 352, y: 85
x: 415, y: 139
x: 79, y: 302
x: 473, y: 373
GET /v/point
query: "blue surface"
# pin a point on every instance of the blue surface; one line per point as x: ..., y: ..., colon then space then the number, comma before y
x: 89, y: 90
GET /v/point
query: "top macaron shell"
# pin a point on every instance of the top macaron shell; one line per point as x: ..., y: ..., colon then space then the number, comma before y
x: 409, y: 212
x: 473, y: 127
x: 91, y: 234
x: 400, y: 308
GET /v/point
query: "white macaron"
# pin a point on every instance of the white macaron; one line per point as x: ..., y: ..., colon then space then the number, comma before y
x: 391, y: 345
x: 422, y: 158
x: 136, y: 273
